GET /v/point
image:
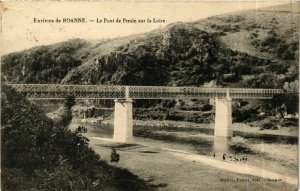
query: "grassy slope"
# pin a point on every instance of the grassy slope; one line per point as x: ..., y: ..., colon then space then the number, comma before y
x: 36, y: 154
x: 287, y: 17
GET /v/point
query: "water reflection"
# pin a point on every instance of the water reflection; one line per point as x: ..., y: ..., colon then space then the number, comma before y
x: 221, y: 146
x: 268, y: 138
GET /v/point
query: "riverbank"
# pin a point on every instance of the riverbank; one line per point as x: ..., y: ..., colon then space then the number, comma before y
x: 236, y: 127
x: 156, y: 140
x: 166, y: 169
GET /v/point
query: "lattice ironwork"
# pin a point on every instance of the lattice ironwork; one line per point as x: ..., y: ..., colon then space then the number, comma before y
x: 163, y: 92
x: 58, y: 91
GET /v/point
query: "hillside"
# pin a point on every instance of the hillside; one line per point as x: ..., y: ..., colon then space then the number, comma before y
x: 255, y: 48
x: 36, y: 154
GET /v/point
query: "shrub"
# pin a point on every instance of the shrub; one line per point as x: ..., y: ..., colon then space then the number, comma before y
x: 240, y: 115
x: 265, y: 80
x: 206, y: 107
x: 290, y: 100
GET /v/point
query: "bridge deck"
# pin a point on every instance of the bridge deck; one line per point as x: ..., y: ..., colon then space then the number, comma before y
x: 59, y: 91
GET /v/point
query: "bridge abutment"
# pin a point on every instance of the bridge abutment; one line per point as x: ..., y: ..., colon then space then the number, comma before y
x: 123, y: 131
x: 223, y: 117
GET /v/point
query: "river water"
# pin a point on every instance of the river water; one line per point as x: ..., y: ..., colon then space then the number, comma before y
x: 276, y: 153
x: 200, y: 139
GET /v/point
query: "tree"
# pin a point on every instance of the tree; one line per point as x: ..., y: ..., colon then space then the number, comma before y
x: 70, y: 101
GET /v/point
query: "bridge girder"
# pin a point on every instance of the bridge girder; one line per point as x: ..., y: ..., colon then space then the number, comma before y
x: 60, y: 91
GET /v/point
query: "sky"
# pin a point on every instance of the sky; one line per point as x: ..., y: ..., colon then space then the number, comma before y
x: 19, y: 32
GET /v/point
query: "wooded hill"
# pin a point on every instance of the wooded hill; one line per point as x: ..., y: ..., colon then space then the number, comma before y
x: 255, y: 48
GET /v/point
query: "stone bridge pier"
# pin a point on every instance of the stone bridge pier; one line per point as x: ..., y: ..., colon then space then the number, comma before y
x: 223, y: 118
x: 123, y: 131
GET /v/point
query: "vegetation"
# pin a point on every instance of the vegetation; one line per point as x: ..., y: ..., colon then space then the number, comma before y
x: 181, y: 54
x: 45, y: 64
x: 256, y: 49
x: 274, y: 43
x: 36, y: 154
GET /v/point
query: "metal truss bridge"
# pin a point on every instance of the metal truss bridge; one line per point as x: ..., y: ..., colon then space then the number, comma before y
x: 59, y: 91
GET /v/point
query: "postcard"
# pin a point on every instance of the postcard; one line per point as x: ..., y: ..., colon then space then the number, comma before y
x: 149, y: 95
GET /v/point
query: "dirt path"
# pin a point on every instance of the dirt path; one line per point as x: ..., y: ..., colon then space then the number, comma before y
x: 170, y: 170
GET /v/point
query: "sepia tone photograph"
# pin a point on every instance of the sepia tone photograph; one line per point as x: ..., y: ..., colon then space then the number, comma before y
x: 149, y: 95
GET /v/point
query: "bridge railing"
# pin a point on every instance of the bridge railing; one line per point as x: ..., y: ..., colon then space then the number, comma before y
x: 254, y: 93
x: 60, y: 91
x: 160, y: 92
